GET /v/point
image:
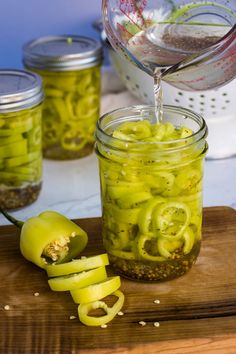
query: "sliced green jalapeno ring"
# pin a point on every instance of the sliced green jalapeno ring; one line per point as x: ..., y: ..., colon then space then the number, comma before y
x: 14, y: 149
x: 166, y: 247
x: 69, y: 106
x: 130, y: 255
x: 60, y: 107
x: 133, y: 200
x: 189, y: 240
x: 72, y: 141
x: 77, y: 265
x: 78, y: 280
x: 142, y: 248
x: 145, y: 216
x: 53, y: 92
x: 130, y: 216
x: 34, y: 138
x: 138, y: 131
x: 13, y: 131
x: 111, y: 312
x: 15, y: 177
x: 188, y: 179
x: 96, y: 291
x: 11, y: 139
x: 23, y: 159
x: 170, y: 219
x: 120, y: 189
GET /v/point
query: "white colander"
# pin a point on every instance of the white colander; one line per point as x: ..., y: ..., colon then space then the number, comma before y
x: 218, y: 106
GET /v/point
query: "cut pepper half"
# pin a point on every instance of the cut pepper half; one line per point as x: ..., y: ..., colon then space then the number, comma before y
x: 56, y: 239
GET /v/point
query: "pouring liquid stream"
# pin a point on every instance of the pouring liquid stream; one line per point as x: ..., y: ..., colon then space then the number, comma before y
x: 163, y: 45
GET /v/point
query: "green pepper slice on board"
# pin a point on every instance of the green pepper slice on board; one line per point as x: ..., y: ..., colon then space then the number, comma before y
x: 78, y: 280
x: 111, y: 312
x: 96, y: 291
x: 77, y: 265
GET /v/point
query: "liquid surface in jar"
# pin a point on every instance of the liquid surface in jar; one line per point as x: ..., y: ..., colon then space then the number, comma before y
x: 152, y: 213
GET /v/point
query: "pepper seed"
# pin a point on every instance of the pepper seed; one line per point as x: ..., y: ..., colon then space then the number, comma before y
x: 6, y: 307
x: 156, y: 324
x: 156, y: 301
x: 142, y: 323
x: 104, y: 326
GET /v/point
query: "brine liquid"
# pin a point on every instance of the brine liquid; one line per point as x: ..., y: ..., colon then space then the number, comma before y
x: 163, y: 45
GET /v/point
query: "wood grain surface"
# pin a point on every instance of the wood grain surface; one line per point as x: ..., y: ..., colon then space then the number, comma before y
x: 197, y: 312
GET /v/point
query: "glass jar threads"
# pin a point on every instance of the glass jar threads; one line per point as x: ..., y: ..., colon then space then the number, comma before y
x: 70, y: 68
x: 21, y: 96
x: 151, y: 190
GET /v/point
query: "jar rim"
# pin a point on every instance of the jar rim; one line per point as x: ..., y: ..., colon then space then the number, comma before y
x: 201, y: 133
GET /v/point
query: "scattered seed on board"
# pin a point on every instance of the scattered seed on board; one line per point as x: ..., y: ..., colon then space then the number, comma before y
x: 6, y: 307
x: 156, y: 324
x: 142, y: 323
x: 120, y: 313
x: 36, y: 294
x: 104, y: 326
x: 72, y: 317
x: 156, y: 301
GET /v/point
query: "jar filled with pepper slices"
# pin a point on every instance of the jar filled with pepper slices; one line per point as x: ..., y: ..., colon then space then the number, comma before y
x: 70, y: 68
x: 151, y: 189
x: 21, y: 97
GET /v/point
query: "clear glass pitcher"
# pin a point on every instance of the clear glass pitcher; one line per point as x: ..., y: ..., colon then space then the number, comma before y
x: 191, y: 44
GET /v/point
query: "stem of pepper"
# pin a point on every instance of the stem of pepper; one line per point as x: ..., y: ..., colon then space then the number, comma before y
x: 14, y: 221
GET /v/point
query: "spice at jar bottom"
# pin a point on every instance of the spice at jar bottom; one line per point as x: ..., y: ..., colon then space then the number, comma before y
x: 151, y: 190
x: 71, y: 77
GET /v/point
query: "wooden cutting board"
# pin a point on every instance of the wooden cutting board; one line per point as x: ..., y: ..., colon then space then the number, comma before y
x: 197, y: 312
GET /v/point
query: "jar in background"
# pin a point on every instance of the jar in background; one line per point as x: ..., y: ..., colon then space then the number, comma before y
x: 151, y: 190
x: 70, y: 68
x: 21, y: 97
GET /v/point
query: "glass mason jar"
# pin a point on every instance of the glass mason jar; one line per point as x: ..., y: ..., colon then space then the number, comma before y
x: 151, y: 191
x: 70, y: 68
x: 21, y: 97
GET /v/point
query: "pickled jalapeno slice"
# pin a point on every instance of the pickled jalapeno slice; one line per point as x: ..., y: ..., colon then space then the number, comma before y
x: 171, y: 219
